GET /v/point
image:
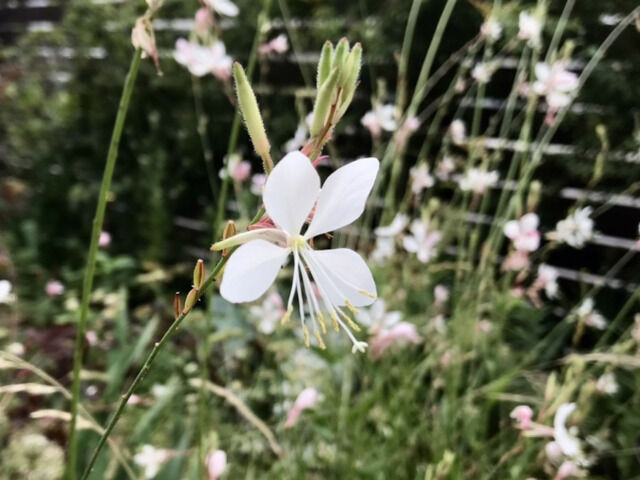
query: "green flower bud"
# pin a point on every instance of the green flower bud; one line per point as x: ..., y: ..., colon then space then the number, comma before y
x: 198, y: 274
x: 324, y: 100
x: 324, y: 65
x: 250, y: 112
x: 340, y: 55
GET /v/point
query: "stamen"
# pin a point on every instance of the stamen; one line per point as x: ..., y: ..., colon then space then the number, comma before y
x: 307, y: 341
x: 287, y: 316
x: 351, y: 308
x: 367, y: 294
x: 334, y: 317
x: 321, y: 322
x: 319, y: 338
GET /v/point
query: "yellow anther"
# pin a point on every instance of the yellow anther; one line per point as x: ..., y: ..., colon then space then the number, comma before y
x: 354, y: 326
x: 334, y: 317
x: 307, y: 341
x: 285, y: 318
x: 297, y: 242
x: 367, y: 294
x: 351, y: 308
x: 319, y: 338
x: 321, y: 322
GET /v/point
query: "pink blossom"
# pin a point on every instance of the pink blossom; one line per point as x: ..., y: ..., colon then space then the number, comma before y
x: 54, y: 288
x: 382, y: 117
x: 277, y: 45
x: 216, y: 463
x: 401, y: 332
x: 516, y: 261
x: 203, y: 19
x: 135, y: 400
x: 524, y: 232
x: 522, y: 414
x: 410, y: 125
x: 556, y: 83
x: 306, y: 400
x: 568, y: 469
x: 201, y: 60
x: 105, y: 239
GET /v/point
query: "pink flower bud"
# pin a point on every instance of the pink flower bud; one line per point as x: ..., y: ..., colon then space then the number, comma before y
x: 203, y: 19
x: 522, y: 414
x: 306, y: 400
x: 216, y: 463
x: 105, y: 239
x: 54, y: 288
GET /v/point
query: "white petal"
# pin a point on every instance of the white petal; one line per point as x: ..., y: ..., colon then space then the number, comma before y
x: 224, y: 7
x: 343, y: 196
x: 512, y: 229
x: 290, y: 192
x: 343, y: 277
x: 529, y: 222
x: 251, y: 270
x: 567, y: 442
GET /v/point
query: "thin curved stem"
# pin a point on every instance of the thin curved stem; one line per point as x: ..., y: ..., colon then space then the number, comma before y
x: 87, y: 285
x: 147, y: 366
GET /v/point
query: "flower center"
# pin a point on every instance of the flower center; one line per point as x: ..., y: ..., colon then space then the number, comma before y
x: 297, y: 242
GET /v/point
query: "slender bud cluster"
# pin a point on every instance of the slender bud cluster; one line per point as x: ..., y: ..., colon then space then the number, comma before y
x: 337, y: 79
x: 194, y: 293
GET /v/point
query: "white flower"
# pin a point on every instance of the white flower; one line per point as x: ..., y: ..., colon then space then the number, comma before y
x: 384, y: 250
x: 567, y: 442
x: 16, y: 348
x: 216, y: 463
x: 421, y: 241
x: 441, y: 294
x: 5, y: 291
x: 397, y: 225
x: 458, y: 132
x: 607, y: 384
x: 477, y: 180
x: 574, y: 230
x: 342, y: 278
x: 201, y: 60
x: 223, y: 7
x: 482, y: 72
x: 555, y: 83
x: 298, y: 140
x: 150, y: 459
x: 382, y: 117
x: 491, y: 28
x: 420, y: 178
x: 548, y: 279
x: 524, y: 232
x: 530, y: 28
x: 590, y: 316
x: 257, y: 183
x: 445, y: 167
x: 268, y: 313
x: 376, y: 317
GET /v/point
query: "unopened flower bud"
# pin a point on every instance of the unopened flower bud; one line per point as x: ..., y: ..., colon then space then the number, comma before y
x: 154, y: 4
x: 228, y: 232
x: 198, y: 274
x: 533, y: 199
x: 192, y: 298
x: 351, y: 69
x: 340, y: 55
x: 142, y: 37
x: 177, y: 305
x: 250, y: 112
x: 324, y: 65
x: 324, y: 100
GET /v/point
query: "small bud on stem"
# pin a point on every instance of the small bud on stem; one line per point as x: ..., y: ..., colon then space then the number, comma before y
x: 198, y: 274
x: 252, y: 118
x: 177, y: 305
x: 192, y: 298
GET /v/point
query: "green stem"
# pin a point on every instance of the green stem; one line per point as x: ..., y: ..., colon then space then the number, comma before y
x: 98, y: 220
x: 147, y: 366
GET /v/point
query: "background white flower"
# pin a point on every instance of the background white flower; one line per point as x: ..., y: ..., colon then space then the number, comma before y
x: 422, y: 240
x: 382, y: 117
x: 576, y: 229
x: 524, y: 232
x: 477, y: 181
